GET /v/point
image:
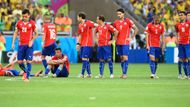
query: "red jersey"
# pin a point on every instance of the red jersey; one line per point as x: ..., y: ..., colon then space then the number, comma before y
x: 66, y: 63
x: 2, y: 72
x: 104, y: 34
x: 124, y: 28
x: 26, y: 31
x: 154, y: 34
x: 85, y: 30
x: 183, y: 30
x: 49, y: 31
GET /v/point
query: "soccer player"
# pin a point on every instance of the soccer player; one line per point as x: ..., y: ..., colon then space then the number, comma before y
x: 49, y: 39
x: 154, y: 31
x: 59, y: 65
x: 9, y: 71
x: 25, y: 28
x: 103, y: 31
x: 85, y: 42
x: 124, y: 26
x: 183, y: 33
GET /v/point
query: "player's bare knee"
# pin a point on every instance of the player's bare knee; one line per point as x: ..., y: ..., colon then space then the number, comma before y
x: 43, y: 57
x: 152, y: 58
x: 20, y: 61
x: 29, y: 61
x: 101, y: 60
x: 109, y: 59
x: 125, y: 58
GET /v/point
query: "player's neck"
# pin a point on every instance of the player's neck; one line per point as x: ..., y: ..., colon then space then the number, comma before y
x: 183, y: 21
x: 122, y: 19
x: 82, y: 21
x: 102, y: 24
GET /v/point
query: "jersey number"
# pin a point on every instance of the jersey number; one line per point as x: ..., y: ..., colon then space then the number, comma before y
x: 183, y: 29
x: 24, y: 29
x: 52, y: 34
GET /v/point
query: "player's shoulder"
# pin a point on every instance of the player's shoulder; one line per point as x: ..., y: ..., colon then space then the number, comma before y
x: 32, y: 21
x: 128, y: 20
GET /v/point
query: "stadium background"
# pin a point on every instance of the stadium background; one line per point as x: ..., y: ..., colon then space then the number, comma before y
x: 64, y: 13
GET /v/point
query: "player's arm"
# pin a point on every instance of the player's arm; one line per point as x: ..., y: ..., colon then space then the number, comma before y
x: 34, y: 37
x: 136, y: 30
x: 163, y: 43
x: 147, y: 42
x: 10, y: 65
x: 115, y: 33
x: 78, y: 42
x: 43, y: 36
x: 14, y: 37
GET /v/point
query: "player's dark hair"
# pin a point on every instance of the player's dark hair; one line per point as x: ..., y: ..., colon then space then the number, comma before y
x: 120, y: 10
x: 25, y: 11
x: 101, y: 17
x: 183, y: 12
x: 58, y: 49
x: 82, y: 15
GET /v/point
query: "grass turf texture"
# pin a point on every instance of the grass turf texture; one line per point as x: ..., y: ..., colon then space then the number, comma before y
x: 138, y: 90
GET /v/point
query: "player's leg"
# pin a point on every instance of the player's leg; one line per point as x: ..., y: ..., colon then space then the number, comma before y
x: 47, y: 70
x: 182, y: 56
x: 83, y: 62
x: 179, y: 68
x: 187, y: 48
x: 89, y: 55
x: 63, y: 73
x: 101, y: 62
x: 20, y: 56
x: 29, y: 58
x: 158, y: 53
x: 125, y: 52
x: 58, y: 70
x: 152, y: 62
x: 108, y: 57
x: 44, y: 62
x: 119, y: 52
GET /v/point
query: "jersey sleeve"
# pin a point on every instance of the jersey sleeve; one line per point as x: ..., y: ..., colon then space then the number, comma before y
x: 147, y: 30
x: 90, y: 24
x: 17, y: 26
x: 33, y: 26
x: 111, y: 28
x: 130, y: 22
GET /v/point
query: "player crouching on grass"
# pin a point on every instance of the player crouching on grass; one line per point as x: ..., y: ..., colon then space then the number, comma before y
x: 154, y: 31
x: 59, y: 65
x: 103, y: 32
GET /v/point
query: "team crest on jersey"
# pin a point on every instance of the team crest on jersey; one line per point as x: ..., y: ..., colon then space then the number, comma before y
x: 29, y: 25
x: 104, y: 27
x: 84, y: 25
x: 125, y: 23
x: 160, y: 27
x: 187, y: 25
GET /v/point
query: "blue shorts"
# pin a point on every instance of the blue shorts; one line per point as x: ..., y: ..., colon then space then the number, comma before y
x: 14, y: 72
x: 123, y: 50
x: 86, y: 52
x: 155, y: 51
x: 104, y: 52
x: 63, y: 73
x: 49, y: 50
x: 184, y: 51
x: 25, y: 52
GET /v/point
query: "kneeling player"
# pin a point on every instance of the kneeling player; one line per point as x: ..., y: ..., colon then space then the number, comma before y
x: 59, y: 65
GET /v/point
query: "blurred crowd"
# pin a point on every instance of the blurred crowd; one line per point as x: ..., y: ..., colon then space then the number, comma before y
x: 11, y: 12
x: 167, y: 9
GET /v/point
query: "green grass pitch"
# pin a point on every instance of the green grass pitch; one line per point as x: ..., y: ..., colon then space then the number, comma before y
x: 138, y: 90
